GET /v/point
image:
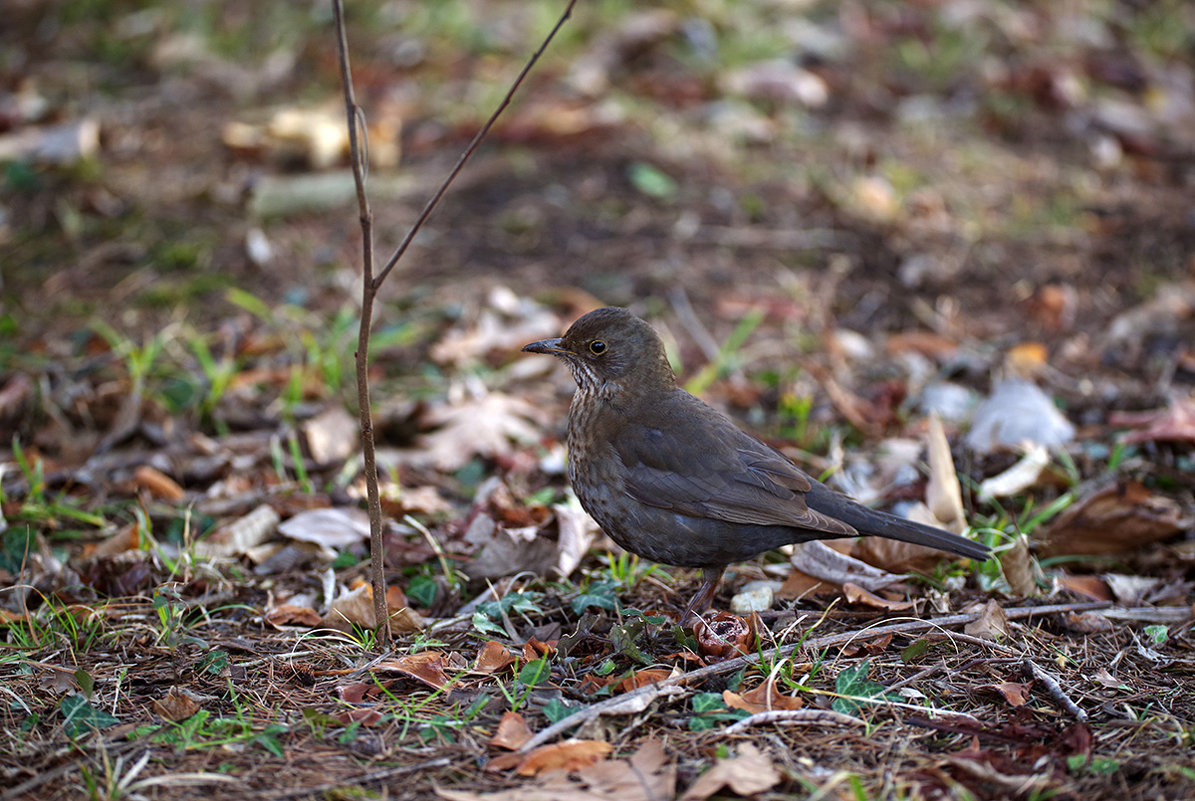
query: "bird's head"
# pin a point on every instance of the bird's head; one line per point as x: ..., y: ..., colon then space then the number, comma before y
x: 608, y: 350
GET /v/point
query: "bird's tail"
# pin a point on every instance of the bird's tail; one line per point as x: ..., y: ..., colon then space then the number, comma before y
x: 883, y: 524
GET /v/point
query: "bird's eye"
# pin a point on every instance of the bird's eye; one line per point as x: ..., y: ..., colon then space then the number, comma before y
x: 597, y: 347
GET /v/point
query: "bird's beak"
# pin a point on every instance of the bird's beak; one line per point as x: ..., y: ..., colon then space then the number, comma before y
x: 548, y: 346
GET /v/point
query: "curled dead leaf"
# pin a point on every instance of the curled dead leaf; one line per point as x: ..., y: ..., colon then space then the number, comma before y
x: 855, y: 594
x: 1116, y: 519
x: 1015, y: 693
x: 991, y: 624
x: 425, y: 666
x: 493, y: 657
x: 763, y: 698
x: 512, y: 732
x: 157, y: 483
x: 176, y: 705
x: 748, y: 773
x: 568, y: 755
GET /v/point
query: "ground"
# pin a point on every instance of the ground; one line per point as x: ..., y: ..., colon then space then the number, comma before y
x: 838, y: 217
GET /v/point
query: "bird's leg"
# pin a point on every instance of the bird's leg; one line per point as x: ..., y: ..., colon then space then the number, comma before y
x: 710, y: 576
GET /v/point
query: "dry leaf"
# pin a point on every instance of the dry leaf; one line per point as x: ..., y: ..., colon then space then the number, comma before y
x: 291, y: 615
x: 239, y: 536
x: 799, y: 585
x: 576, y: 532
x: 746, y: 774
x: 337, y: 528
x: 1117, y: 519
x: 157, y: 483
x: 1015, y: 693
x: 485, y: 426
x: 763, y: 698
x: 365, y: 716
x: 1026, y: 359
x: 331, y: 436
x: 855, y: 594
x: 991, y: 624
x: 177, y: 705
x: 568, y: 755
x: 1086, y: 623
x: 1131, y: 590
x: 1018, y: 568
x: 425, y: 666
x: 641, y: 678
x: 512, y: 732
x: 1174, y: 424
x: 493, y: 657
x: 1092, y: 587
x: 646, y: 776
x: 943, y: 494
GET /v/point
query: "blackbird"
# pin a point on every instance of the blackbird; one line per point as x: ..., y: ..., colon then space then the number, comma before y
x: 672, y: 479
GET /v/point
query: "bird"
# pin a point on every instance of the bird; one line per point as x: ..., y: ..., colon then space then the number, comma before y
x: 674, y: 480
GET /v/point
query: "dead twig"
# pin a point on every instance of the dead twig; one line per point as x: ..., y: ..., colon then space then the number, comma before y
x: 1053, y: 688
x: 801, y: 717
x: 370, y: 284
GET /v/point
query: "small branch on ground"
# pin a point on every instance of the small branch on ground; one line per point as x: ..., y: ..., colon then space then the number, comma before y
x: 1053, y: 688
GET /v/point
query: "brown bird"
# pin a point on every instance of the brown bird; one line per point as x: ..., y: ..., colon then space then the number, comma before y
x: 672, y: 479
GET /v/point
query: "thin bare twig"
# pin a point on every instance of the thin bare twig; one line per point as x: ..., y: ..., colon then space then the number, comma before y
x: 370, y: 284
x: 485, y: 129
x: 1053, y: 688
x: 359, y: 158
x: 804, y: 717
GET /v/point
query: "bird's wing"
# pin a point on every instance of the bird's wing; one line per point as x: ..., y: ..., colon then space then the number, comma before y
x: 707, y: 467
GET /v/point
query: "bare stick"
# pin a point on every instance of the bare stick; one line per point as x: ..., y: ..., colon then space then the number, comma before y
x: 1053, y: 688
x: 485, y: 129
x: 369, y: 291
x: 370, y: 284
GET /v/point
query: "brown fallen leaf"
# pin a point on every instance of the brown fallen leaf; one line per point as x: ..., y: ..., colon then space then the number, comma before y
x: 1015, y: 693
x: 1117, y: 519
x: 641, y: 678
x: 1086, y: 623
x: 746, y: 774
x: 1092, y: 587
x: 568, y: 755
x: 763, y: 698
x: 873, y: 647
x: 493, y: 657
x: 176, y: 705
x: 855, y: 594
x: 366, y: 716
x: 157, y: 483
x: 1173, y: 424
x: 648, y: 775
x: 291, y: 615
x: 512, y: 732
x: 425, y: 666
x: 1018, y: 568
x: 991, y: 624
